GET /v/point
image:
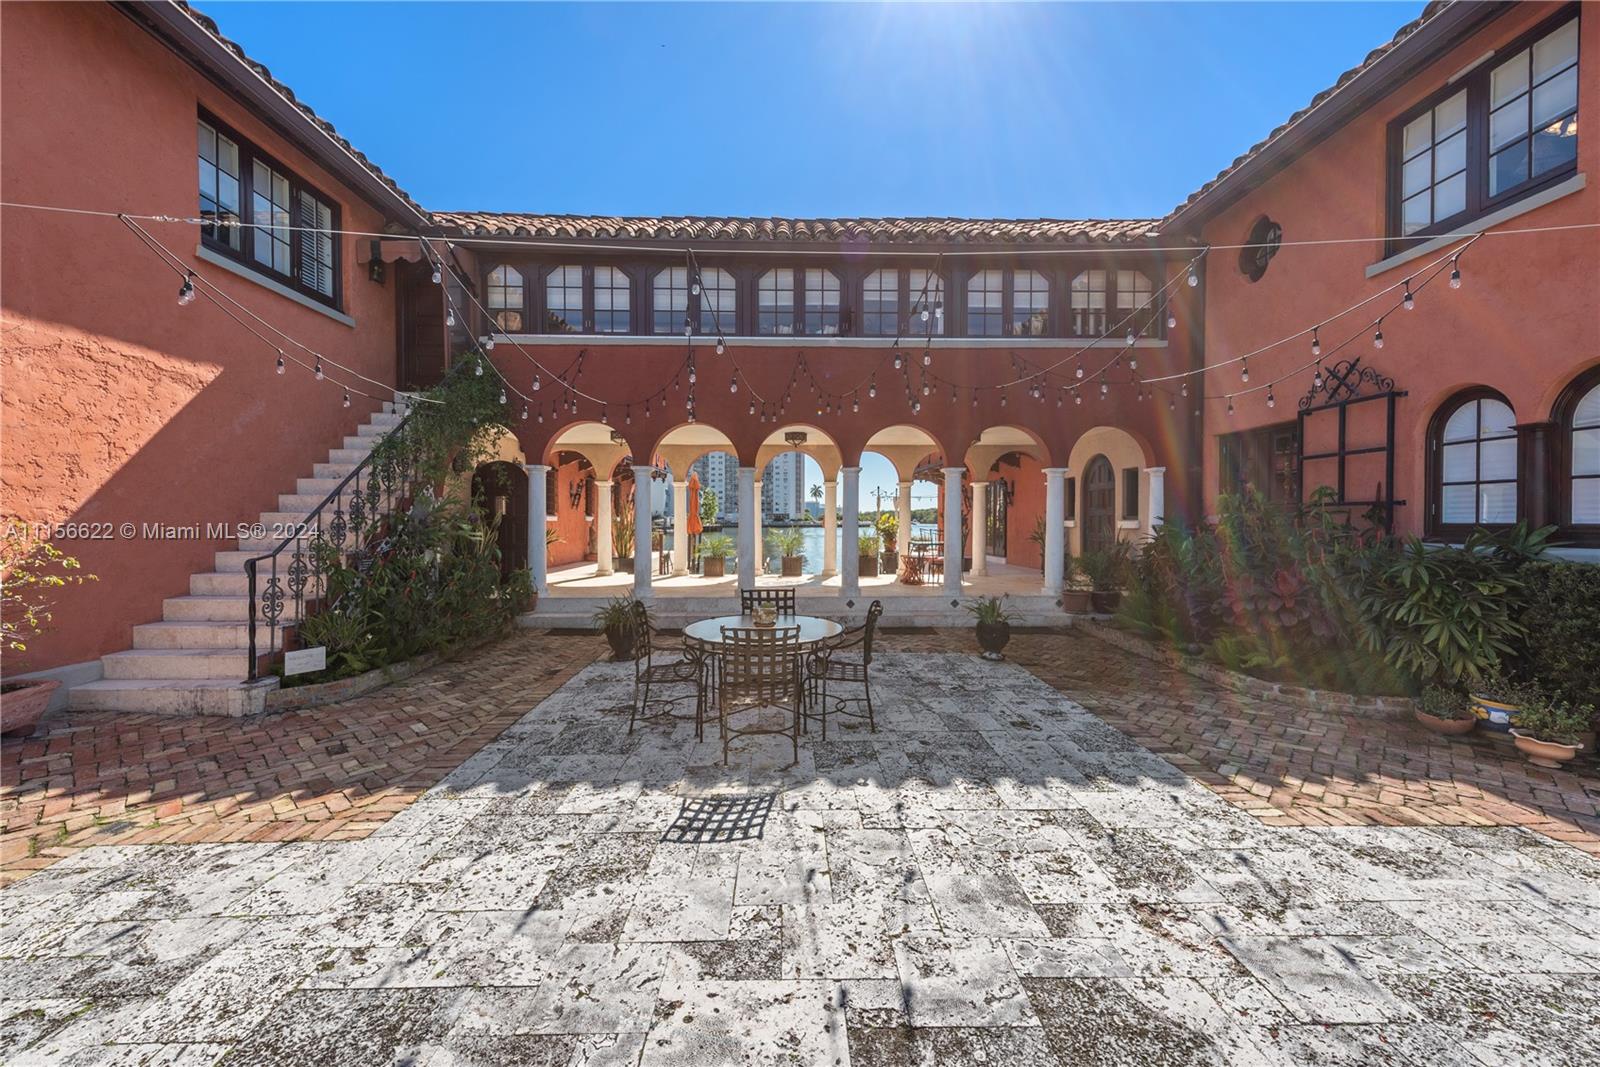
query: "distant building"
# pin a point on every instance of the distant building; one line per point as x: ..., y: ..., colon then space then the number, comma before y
x: 783, y: 490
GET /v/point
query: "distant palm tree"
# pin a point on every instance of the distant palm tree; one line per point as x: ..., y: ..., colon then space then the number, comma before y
x: 816, y: 493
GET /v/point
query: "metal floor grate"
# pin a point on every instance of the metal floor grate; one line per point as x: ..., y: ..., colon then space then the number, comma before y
x: 724, y: 818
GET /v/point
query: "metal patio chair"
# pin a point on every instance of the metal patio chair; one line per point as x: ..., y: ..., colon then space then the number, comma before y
x: 651, y: 668
x: 783, y: 599
x: 759, y: 672
x: 847, y: 660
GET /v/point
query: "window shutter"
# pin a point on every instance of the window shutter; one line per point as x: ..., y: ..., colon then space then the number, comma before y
x: 316, y: 248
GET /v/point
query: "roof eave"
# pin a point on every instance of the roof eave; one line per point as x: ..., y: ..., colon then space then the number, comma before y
x: 1431, y: 40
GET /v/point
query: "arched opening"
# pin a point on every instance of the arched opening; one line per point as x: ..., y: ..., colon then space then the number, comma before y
x: 796, y: 521
x: 701, y: 487
x: 1122, y: 498
x: 500, y: 493
x: 1008, y: 495
x: 901, y: 488
x: 1099, y: 504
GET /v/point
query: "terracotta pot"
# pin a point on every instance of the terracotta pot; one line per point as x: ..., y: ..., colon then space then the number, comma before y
x: 1544, y: 753
x: 1075, y: 601
x: 869, y: 566
x: 992, y: 637
x: 1450, y: 727
x: 1496, y: 715
x: 1105, y: 601
x: 791, y: 566
x: 620, y: 638
x: 714, y: 566
x: 22, y: 707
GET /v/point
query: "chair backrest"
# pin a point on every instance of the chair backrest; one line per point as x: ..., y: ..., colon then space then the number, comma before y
x: 782, y: 599
x: 758, y: 664
x: 639, y: 617
x: 874, y: 613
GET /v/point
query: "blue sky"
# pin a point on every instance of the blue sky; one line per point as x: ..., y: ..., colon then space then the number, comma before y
x: 1068, y: 111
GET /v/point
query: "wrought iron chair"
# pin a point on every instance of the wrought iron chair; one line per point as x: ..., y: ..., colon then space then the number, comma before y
x: 759, y: 672
x: 839, y: 661
x: 649, y: 671
x: 782, y: 599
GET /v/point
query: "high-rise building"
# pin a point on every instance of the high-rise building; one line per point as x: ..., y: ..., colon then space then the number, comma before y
x: 783, y: 490
x: 719, y: 472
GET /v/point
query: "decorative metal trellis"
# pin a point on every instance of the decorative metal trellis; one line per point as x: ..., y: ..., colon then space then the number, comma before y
x: 1345, y: 385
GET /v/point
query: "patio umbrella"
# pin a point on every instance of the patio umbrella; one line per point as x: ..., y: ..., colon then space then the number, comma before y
x: 692, y: 520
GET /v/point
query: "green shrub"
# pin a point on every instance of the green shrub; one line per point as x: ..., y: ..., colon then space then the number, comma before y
x: 1550, y: 718
x: 1563, y: 624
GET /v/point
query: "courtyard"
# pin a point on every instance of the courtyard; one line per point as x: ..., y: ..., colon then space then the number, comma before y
x: 1075, y: 857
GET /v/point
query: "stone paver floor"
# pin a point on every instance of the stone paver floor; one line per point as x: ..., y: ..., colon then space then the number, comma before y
x: 997, y: 876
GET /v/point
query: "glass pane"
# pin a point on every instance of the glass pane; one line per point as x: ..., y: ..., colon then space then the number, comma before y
x: 1507, y: 124
x: 1463, y: 423
x: 1498, y: 503
x: 1418, y: 134
x: 1509, y: 79
x: 1509, y: 168
x: 1459, y: 463
x: 1586, y: 501
x: 1451, y: 155
x: 1495, y: 418
x: 1555, y: 97
x: 227, y: 156
x: 1555, y: 51
x: 1497, y: 460
x: 1587, y: 412
x: 1460, y: 504
x: 208, y: 143
x: 1416, y: 212
x: 1417, y: 175
x: 1586, y: 451
x: 1556, y: 145
x: 228, y: 193
x: 1450, y: 197
x: 1450, y: 116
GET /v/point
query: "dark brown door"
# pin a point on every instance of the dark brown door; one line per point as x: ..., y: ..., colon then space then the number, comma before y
x: 501, y: 491
x: 1099, y: 505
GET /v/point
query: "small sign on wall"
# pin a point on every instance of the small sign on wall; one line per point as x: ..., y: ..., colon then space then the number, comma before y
x: 305, y: 660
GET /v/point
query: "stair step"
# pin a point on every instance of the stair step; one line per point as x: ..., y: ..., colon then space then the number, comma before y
x: 283, y: 523
x: 334, y: 471
x: 202, y: 634
x: 303, y: 503
x: 386, y: 418
x: 173, y: 696
x: 318, y: 487
x: 220, y: 583
x: 217, y: 608
x: 147, y: 664
x: 373, y: 431
x: 351, y: 456
x: 359, y: 444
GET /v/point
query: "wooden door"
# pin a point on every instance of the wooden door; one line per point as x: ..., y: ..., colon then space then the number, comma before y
x: 1099, y: 511
x: 501, y: 489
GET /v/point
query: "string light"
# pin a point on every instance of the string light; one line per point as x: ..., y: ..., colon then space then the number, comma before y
x: 1244, y: 370
x: 1316, y: 342
x: 477, y: 368
x: 1080, y: 369
x: 733, y: 384
x: 450, y: 317
x: 524, y: 412
x: 186, y: 291
x: 722, y: 345
x: 1272, y: 401
x: 1133, y: 362
x: 502, y: 394
x: 317, y: 370
x: 1077, y: 398
x: 1172, y: 319
x: 280, y: 362
x: 1377, y: 336
x: 538, y: 383
x: 438, y: 274
x: 1410, y: 301
x: 898, y: 362
x: 1194, y: 279
x: 872, y: 388
x: 1131, y: 337
x: 927, y: 357
x: 1230, y: 404
x: 488, y: 343
x: 1455, y: 271
x: 347, y: 398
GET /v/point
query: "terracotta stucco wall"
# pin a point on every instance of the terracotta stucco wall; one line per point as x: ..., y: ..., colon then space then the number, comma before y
x: 120, y: 406
x: 571, y: 525
x: 1526, y: 322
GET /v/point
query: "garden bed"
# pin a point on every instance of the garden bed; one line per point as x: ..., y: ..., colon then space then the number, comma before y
x: 317, y: 694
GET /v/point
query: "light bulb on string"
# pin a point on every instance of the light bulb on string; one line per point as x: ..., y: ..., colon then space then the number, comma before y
x: 1133, y: 362
x: 722, y: 345
x: 1272, y: 401
x: 927, y: 389
x: 537, y: 382
x: 855, y: 404
x: 1080, y: 369
x: 1455, y: 271
x: 317, y: 370
x: 280, y: 363
x: 347, y: 398
x: 872, y: 388
x: 438, y: 274
x: 692, y: 376
x: 1104, y: 388
x: 751, y: 410
x: 1244, y: 369
x: 1316, y: 376
x: 1316, y: 342
x: 186, y: 290
x: 916, y: 408
x: 694, y: 290
x: 1230, y: 405
x: 1183, y: 388
x: 1131, y: 337
x: 450, y: 317
x: 488, y: 344
x: 1172, y: 405
x: 898, y: 362
x: 524, y: 413
x: 1077, y: 398
x: 1194, y: 279
x: 477, y: 367
x: 1377, y: 336
x: 733, y: 384
x: 927, y: 357
x: 924, y: 312
x: 1409, y: 301
x: 1002, y: 398
x: 502, y: 394
x: 1172, y: 319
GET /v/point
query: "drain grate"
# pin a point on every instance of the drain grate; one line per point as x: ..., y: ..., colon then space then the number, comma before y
x: 708, y: 820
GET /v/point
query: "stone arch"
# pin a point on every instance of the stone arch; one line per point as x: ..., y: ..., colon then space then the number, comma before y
x: 1124, y: 451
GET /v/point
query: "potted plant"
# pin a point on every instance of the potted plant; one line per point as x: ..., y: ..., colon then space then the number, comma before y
x: 1497, y: 700
x: 1549, y: 730
x: 994, y: 625
x: 888, y: 526
x: 1445, y: 711
x: 31, y: 569
x: 714, y: 552
x: 868, y: 550
x: 787, y: 543
x: 1075, y: 594
x: 1107, y: 570
x: 622, y: 539
x: 615, y: 618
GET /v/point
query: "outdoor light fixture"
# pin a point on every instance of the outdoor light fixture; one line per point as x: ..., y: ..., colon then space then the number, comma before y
x: 795, y: 438
x: 317, y: 370
x: 186, y: 291
x: 280, y: 362
x: 617, y: 438
x: 347, y: 398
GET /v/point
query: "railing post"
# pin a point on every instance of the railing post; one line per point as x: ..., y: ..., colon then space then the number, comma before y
x: 250, y: 576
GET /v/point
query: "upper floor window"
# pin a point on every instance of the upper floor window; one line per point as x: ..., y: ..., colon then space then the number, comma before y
x: 1134, y: 299
x: 718, y: 302
x: 1030, y: 304
x: 822, y: 302
x: 775, y: 303
x: 986, y: 313
x: 924, y: 302
x: 1500, y: 132
x: 1582, y: 426
x: 262, y: 215
x: 563, y: 300
x: 505, y: 294
x: 1474, y: 463
x: 880, y: 304
x: 1089, y: 303
x: 612, y: 300
x: 670, y: 301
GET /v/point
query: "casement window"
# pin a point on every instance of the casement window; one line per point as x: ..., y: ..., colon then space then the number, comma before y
x: 1008, y: 303
x: 563, y: 300
x: 1578, y: 413
x: 880, y: 304
x: 612, y: 300
x: 718, y: 303
x: 1135, y: 308
x: 265, y: 217
x: 986, y: 311
x: 775, y: 303
x: 669, y: 307
x: 791, y: 301
x: 1505, y: 130
x: 822, y: 292
x: 505, y: 293
x: 924, y: 303
x: 1030, y: 304
x: 1472, y: 464
x: 1089, y: 303
x: 1266, y: 460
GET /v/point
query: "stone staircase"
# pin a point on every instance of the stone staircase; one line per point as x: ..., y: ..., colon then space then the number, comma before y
x: 195, y: 660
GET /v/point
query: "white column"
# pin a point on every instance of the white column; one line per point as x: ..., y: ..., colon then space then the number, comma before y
x: 538, y: 561
x: 747, y: 507
x: 952, y: 530
x: 980, y: 528
x: 680, y: 528
x: 1158, y: 498
x: 902, y: 513
x: 1055, y: 518
x: 602, y: 528
x: 850, y: 565
x: 642, y: 529
x: 830, y: 529
x: 755, y: 525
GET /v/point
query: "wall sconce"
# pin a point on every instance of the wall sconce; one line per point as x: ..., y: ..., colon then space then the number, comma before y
x: 795, y: 438
x: 575, y: 493
x: 1008, y: 490
x: 375, y: 261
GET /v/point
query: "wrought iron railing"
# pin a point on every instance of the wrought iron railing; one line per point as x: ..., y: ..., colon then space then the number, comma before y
x: 332, y: 534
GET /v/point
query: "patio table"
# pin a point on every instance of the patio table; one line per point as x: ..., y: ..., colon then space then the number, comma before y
x: 705, y: 637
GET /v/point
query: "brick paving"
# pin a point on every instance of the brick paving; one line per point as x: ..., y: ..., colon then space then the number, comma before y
x: 341, y: 771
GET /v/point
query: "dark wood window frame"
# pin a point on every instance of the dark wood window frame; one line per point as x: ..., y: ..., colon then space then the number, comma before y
x: 521, y: 308
x: 1130, y: 495
x: 1434, y: 524
x: 1479, y: 201
x: 244, y: 255
x: 1586, y: 535
x: 1008, y: 300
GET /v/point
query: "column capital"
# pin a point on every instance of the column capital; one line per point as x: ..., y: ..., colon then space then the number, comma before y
x: 604, y: 483
x: 531, y: 467
x: 1155, y: 470
x: 680, y: 483
x: 646, y: 467
x: 743, y: 469
x: 849, y: 470
x: 1057, y: 470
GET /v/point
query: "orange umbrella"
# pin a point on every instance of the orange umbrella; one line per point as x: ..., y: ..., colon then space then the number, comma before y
x: 694, y: 525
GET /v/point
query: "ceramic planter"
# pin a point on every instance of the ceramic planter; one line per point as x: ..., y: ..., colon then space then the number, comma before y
x: 1496, y: 715
x: 869, y: 566
x: 889, y: 560
x: 992, y: 637
x: 22, y: 707
x: 714, y: 566
x: 1448, y: 727
x: 1544, y: 753
x: 620, y: 638
x: 1076, y: 601
x: 791, y: 566
x: 1105, y: 601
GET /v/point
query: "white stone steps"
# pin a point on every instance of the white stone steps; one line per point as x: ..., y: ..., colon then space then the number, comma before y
x: 220, y: 583
x: 335, y: 472
x: 351, y: 456
x: 316, y: 487
x: 187, y: 663
x: 357, y: 444
x: 304, y: 503
x: 173, y: 696
x: 200, y: 634
x: 373, y: 431
x: 214, y: 608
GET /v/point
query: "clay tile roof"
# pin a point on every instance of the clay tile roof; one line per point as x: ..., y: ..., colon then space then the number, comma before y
x: 822, y: 231
x: 206, y: 23
x: 1400, y: 36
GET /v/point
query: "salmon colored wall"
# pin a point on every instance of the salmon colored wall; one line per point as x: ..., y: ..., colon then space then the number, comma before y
x: 570, y: 524
x: 1525, y: 322
x: 119, y: 405
x: 1027, y: 507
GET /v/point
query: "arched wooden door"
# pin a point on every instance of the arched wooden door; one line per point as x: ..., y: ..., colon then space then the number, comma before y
x: 1099, y: 505
x: 501, y: 489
